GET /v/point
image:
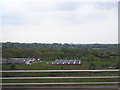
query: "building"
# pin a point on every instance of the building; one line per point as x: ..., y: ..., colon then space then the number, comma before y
x: 27, y: 61
x: 67, y: 62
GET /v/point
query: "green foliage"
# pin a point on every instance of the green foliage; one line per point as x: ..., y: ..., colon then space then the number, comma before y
x: 12, y: 66
x: 92, y: 66
x: 53, y: 51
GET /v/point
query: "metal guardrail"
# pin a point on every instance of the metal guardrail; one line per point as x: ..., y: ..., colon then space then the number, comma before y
x: 107, y: 70
x: 59, y: 83
x: 59, y: 77
x: 62, y: 83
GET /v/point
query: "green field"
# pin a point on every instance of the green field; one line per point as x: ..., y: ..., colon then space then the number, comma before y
x: 93, y: 56
x: 46, y: 65
x: 85, y: 64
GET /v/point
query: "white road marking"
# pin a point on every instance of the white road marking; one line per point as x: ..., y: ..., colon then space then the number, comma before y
x: 107, y: 70
x: 57, y: 77
x: 58, y: 83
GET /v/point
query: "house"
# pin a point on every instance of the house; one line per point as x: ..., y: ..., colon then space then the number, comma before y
x: 27, y: 61
x: 67, y: 62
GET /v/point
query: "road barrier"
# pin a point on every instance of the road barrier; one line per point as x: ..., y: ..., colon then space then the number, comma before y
x: 62, y: 83
x: 107, y: 70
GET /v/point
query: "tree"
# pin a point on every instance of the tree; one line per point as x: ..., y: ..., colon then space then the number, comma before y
x: 12, y: 66
x: 92, y: 66
x: 90, y: 57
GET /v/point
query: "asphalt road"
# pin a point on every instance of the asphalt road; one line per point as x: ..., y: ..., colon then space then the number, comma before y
x: 68, y: 88
x: 57, y: 77
x: 60, y: 83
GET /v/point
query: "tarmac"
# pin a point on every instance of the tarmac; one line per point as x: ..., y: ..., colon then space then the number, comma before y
x: 67, y: 88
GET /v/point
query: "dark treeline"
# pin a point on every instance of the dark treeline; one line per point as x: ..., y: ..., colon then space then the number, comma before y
x: 56, y: 50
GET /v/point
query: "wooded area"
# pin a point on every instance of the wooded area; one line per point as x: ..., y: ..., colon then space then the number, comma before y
x: 59, y: 51
x: 92, y: 56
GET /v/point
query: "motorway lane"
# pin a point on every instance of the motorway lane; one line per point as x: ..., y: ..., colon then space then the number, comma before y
x: 58, y: 77
x: 67, y: 88
x: 61, y: 83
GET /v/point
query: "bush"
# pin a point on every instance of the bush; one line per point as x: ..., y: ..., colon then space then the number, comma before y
x: 92, y: 66
x: 12, y: 66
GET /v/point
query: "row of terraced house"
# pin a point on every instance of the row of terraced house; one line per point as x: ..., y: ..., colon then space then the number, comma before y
x: 27, y: 61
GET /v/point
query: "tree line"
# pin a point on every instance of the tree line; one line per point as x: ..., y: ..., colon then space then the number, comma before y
x: 58, y: 51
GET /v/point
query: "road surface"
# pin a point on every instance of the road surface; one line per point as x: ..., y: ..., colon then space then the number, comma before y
x: 68, y: 88
x: 58, y: 77
x: 62, y: 83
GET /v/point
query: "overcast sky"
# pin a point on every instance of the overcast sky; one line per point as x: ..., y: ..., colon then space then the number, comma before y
x: 65, y: 21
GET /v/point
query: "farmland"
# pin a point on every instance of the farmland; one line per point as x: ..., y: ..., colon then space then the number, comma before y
x: 92, y: 56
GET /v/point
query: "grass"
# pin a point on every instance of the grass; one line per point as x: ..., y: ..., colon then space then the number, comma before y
x: 62, y: 80
x: 32, y: 86
x: 59, y: 74
x: 43, y: 74
x: 59, y: 80
x: 44, y: 66
x: 100, y: 64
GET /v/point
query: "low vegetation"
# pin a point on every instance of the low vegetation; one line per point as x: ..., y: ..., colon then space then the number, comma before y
x: 93, y: 56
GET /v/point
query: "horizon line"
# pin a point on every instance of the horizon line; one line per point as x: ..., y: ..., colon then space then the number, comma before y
x: 54, y: 42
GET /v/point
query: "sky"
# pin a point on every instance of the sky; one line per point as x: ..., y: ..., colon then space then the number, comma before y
x: 59, y: 21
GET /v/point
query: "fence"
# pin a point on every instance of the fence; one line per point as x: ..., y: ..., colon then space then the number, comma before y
x: 62, y: 83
